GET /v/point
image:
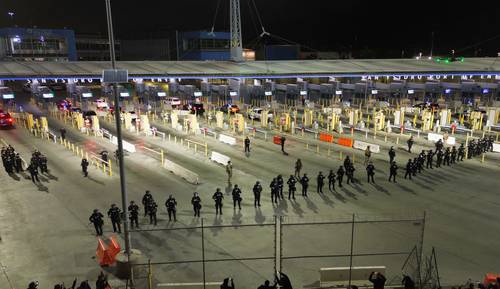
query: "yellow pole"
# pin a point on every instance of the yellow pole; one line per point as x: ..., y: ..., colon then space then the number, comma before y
x: 162, y: 154
x: 340, y: 155
x: 110, y: 169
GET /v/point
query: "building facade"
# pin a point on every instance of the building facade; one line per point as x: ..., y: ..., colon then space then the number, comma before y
x: 33, y: 44
x: 95, y: 48
x: 203, y: 45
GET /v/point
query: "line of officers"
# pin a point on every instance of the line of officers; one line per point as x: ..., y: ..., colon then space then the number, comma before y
x: 444, y: 156
x: 12, y: 161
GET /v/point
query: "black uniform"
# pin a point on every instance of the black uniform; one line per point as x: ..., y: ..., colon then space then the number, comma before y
x: 409, y: 169
x: 196, y: 202
x: 236, y: 197
x: 247, y: 145
x: 340, y: 175
x: 133, y: 210
x: 171, y: 205
x: 447, y: 156
x: 97, y: 219
x: 305, y: 184
x: 146, y: 200
x: 453, y: 157
x: 320, y: 183
x: 410, y: 144
x: 63, y: 133
x: 257, y: 190
x: 370, y: 172
x: 291, y: 187
x: 43, y: 164
x: 114, y: 215
x: 298, y: 168
x: 85, y: 165
x: 152, y: 209
x: 392, y: 155
x: 430, y: 159
x: 350, y: 174
x: 393, y: 171
x: 331, y: 180
x: 461, y: 152
x: 282, y: 142
x: 18, y: 163
x: 274, y: 190
x: 218, y: 197
x: 280, y: 183
x: 439, y: 159
x: 33, y: 172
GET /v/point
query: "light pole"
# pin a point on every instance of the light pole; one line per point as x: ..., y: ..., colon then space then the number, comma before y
x: 119, y: 140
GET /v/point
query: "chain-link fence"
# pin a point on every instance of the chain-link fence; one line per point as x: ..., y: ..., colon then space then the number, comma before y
x: 206, y: 253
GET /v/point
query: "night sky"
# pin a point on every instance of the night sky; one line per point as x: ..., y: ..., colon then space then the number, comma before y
x: 383, y: 28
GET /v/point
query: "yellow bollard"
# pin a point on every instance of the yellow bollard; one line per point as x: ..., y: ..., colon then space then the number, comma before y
x: 482, y: 158
x: 73, y: 147
x: 110, y: 169
x: 340, y: 155
x: 77, y: 151
x: 103, y: 167
x: 195, y: 148
x: 307, y: 146
x: 397, y: 140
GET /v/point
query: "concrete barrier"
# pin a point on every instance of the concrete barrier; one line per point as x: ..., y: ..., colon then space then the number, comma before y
x: 182, y: 172
x: 496, y: 147
x: 219, y: 158
x: 339, y: 276
x: 126, y: 145
x: 435, y: 137
x: 227, y: 139
x: 363, y: 145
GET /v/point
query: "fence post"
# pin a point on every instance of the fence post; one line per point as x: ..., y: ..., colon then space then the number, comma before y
x: 352, y: 249
x: 203, y: 253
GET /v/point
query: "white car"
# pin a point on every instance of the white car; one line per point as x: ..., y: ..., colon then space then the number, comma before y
x: 101, y: 104
x: 172, y: 101
x: 256, y: 113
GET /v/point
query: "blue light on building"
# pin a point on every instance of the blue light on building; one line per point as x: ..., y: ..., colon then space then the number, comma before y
x: 37, y: 44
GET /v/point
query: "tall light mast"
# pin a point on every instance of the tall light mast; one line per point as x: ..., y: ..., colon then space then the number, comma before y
x: 236, y: 38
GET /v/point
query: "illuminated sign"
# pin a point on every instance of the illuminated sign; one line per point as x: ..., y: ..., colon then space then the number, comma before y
x: 124, y: 94
x: 233, y: 93
x: 87, y: 94
x: 268, y: 93
x: 374, y: 91
x: 8, y: 96
x: 303, y: 92
x: 485, y: 91
x: 338, y: 92
x: 411, y: 91
x: 48, y: 95
x: 447, y: 91
x: 198, y: 94
x: 161, y: 94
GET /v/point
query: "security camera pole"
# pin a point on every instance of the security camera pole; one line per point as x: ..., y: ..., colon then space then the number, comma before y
x: 116, y: 76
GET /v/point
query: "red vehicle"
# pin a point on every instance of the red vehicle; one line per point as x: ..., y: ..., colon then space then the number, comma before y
x: 6, y: 120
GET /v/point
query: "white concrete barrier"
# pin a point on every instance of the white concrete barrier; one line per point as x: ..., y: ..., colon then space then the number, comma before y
x: 126, y: 145
x: 363, y: 145
x: 219, y: 158
x: 184, y: 173
x: 227, y: 139
x: 436, y: 137
x: 338, y: 276
x: 496, y: 147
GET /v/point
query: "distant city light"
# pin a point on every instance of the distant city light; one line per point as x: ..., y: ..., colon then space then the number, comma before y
x: 16, y: 39
x: 485, y: 91
x: 447, y: 91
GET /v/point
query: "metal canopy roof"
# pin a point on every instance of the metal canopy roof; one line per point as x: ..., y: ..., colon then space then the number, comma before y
x: 254, y: 69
